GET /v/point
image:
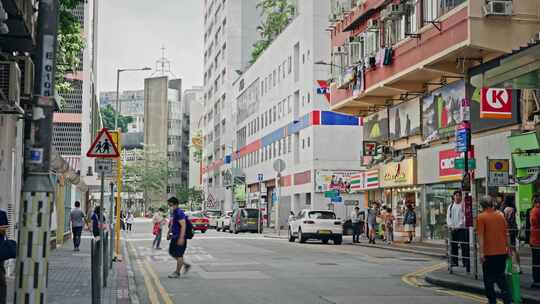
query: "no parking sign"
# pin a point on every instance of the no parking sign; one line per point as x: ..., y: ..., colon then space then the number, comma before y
x: 498, y: 172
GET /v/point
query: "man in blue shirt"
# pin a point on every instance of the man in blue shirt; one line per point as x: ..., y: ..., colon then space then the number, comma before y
x: 177, y: 236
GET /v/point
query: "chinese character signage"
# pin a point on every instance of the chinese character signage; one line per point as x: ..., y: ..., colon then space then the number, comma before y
x: 397, y: 174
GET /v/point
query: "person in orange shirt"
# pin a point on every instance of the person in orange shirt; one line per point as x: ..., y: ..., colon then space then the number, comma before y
x: 493, y: 241
x: 535, y: 241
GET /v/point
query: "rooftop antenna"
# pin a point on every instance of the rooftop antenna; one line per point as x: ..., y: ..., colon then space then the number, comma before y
x: 163, y: 65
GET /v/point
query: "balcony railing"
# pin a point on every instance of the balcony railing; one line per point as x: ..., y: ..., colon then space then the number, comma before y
x: 433, y: 9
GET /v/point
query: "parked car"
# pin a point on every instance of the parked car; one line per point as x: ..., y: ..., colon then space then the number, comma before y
x: 198, y: 220
x: 245, y: 219
x: 224, y: 221
x: 213, y: 216
x: 316, y: 224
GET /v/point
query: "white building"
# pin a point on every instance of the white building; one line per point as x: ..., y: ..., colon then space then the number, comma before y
x: 230, y: 31
x: 193, y: 98
x: 279, y: 115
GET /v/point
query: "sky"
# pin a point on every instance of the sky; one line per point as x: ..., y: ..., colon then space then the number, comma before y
x: 132, y: 33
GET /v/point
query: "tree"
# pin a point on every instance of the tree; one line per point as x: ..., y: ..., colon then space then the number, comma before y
x: 278, y: 14
x: 108, y: 115
x: 191, y: 197
x: 148, y: 174
x: 197, y: 146
x: 70, y: 44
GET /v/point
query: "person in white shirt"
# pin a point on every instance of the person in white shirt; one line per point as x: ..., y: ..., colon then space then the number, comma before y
x: 459, y: 234
x: 355, y: 221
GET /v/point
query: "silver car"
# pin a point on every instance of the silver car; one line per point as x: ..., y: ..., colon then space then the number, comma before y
x: 245, y: 219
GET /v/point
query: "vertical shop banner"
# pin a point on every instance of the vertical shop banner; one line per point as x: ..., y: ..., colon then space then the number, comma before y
x: 376, y: 126
x: 405, y: 119
x: 441, y: 111
x: 468, y: 210
x: 496, y: 103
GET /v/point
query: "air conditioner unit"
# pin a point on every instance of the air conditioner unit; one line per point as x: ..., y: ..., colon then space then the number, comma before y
x: 373, y: 25
x: 498, y: 8
x: 10, y: 81
x: 26, y: 65
x: 396, y: 10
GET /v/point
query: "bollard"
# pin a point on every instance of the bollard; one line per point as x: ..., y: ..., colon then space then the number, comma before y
x: 96, y: 284
x: 111, y: 247
x: 105, y: 264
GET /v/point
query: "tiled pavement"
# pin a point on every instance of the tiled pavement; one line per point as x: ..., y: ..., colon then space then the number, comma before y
x: 70, y: 277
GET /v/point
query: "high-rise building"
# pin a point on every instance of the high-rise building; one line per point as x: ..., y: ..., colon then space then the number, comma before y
x: 194, y: 100
x: 230, y: 29
x: 166, y: 129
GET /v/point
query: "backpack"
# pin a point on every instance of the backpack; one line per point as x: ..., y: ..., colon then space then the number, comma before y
x: 189, y: 229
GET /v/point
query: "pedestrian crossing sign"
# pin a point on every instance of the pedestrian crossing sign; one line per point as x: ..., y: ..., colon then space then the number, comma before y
x: 103, y: 146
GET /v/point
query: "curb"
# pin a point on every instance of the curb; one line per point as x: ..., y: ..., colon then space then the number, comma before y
x: 133, y: 297
x: 456, y: 285
x: 426, y: 253
x: 275, y: 237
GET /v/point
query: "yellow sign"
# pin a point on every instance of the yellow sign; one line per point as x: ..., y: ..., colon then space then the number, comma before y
x: 499, y: 165
x: 398, y: 174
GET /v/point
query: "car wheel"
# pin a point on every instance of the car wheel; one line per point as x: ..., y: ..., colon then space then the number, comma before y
x: 230, y: 229
x: 218, y: 229
x: 291, y: 236
x: 203, y: 231
x: 338, y: 240
x: 301, y: 237
x: 324, y: 241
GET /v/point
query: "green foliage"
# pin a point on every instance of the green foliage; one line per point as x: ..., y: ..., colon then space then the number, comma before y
x: 191, y: 197
x: 197, y: 146
x: 278, y: 14
x: 70, y: 44
x: 148, y: 173
x: 107, y: 115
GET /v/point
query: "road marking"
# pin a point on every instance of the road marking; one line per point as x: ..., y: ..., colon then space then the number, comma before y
x: 151, y: 292
x: 157, y: 282
x: 411, y: 279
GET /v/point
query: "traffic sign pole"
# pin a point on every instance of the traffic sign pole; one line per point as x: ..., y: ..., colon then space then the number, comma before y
x: 118, y: 196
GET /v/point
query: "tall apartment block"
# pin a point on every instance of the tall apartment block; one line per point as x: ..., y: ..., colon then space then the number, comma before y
x: 166, y: 129
x: 193, y: 98
x: 230, y: 29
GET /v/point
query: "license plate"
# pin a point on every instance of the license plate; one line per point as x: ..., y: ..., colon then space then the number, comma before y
x: 325, y: 232
x: 252, y: 222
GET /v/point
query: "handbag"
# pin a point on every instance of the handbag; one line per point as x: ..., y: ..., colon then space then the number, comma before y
x: 8, y: 249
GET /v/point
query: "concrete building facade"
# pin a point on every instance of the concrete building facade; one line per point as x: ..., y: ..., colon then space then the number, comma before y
x: 230, y: 29
x: 193, y: 98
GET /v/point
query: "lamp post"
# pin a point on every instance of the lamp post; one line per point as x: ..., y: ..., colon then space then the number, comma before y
x: 119, y: 161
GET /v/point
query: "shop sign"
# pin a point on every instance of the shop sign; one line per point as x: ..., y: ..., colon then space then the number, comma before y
x: 398, y: 174
x: 496, y: 103
x: 376, y: 126
x: 365, y: 181
x: 339, y: 181
x: 441, y: 111
x: 498, y: 174
x: 447, y: 164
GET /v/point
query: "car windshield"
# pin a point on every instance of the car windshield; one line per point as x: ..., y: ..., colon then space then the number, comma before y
x: 250, y: 213
x: 213, y: 213
x: 323, y: 215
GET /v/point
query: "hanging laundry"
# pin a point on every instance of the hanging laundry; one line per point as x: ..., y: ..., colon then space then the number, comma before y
x: 388, y: 54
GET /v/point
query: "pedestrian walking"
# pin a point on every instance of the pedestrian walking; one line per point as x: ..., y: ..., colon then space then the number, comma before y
x: 409, y: 222
x: 4, y: 226
x: 95, y: 221
x: 159, y: 221
x: 499, y: 202
x: 493, y: 250
x: 129, y: 221
x: 372, y: 222
x: 459, y: 234
x: 178, y: 237
x: 77, y: 219
x: 389, y: 226
x: 509, y: 212
x: 355, y: 221
x: 123, y: 220
x: 535, y: 241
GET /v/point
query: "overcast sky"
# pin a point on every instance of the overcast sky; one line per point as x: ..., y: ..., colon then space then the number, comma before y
x: 132, y: 33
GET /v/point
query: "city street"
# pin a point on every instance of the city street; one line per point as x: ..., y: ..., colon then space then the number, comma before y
x: 248, y: 268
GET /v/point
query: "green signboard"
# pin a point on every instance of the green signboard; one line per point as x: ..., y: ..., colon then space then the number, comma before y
x: 459, y: 163
x: 331, y: 194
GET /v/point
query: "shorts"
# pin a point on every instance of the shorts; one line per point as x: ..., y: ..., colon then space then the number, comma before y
x: 371, y: 226
x: 408, y: 228
x: 177, y: 251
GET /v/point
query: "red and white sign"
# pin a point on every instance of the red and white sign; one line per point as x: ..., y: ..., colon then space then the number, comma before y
x: 447, y: 160
x: 103, y: 146
x: 496, y: 103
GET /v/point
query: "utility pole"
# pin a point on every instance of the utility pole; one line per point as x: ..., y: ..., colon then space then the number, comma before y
x: 37, y: 194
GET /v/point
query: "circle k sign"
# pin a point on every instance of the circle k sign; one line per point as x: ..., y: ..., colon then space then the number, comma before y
x: 496, y: 103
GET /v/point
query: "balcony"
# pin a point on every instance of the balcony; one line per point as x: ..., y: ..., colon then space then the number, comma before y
x: 22, y: 23
x: 458, y: 38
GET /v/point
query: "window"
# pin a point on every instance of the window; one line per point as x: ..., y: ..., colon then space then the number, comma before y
x: 274, y: 78
x: 275, y: 113
x: 309, y: 141
x: 308, y: 97
x: 284, y: 63
x: 433, y: 9
x: 303, y: 143
x: 279, y: 73
x: 289, y: 65
x: 289, y: 107
x: 269, y: 116
x: 289, y: 144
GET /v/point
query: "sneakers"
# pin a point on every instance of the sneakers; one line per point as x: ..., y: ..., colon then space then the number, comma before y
x: 174, y: 275
x: 187, y: 267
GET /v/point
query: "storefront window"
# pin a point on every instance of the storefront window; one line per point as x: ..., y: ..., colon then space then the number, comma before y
x: 438, y: 198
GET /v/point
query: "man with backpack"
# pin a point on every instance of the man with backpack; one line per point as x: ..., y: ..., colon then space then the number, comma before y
x: 180, y: 230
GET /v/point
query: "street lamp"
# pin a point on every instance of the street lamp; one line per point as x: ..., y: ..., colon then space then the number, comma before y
x: 118, y: 71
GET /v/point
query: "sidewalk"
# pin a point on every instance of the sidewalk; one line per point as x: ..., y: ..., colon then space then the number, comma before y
x: 466, y: 282
x: 271, y: 233
x: 70, y: 278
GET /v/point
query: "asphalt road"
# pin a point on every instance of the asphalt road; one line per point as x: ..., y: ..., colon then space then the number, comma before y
x: 251, y: 269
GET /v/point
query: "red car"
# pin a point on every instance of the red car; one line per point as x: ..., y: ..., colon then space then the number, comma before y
x: 199, y: 221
